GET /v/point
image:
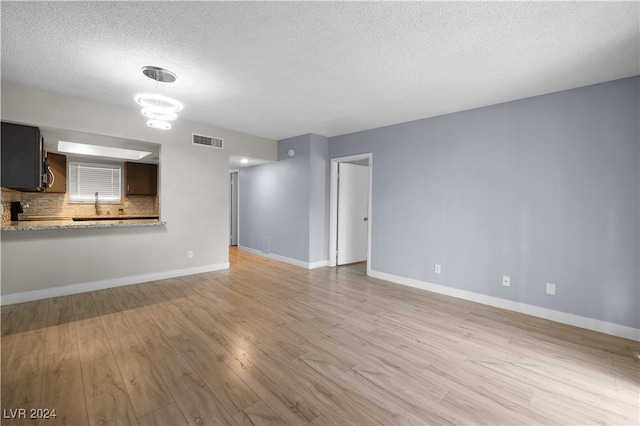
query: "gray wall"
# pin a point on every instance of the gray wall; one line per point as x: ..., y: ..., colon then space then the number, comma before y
x: 319, y: 199
x: 282, y: 204
x: 545, y: 189
x: 274, y: 209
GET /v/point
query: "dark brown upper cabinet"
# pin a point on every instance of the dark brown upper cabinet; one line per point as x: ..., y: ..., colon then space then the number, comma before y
x: 57, y: 179
x: 141, y: 179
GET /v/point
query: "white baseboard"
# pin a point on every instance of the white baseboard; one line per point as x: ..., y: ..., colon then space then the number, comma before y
x: 46, y: 293
x: 320, y: 264
x: 510, y: 305
x: 290, y: 261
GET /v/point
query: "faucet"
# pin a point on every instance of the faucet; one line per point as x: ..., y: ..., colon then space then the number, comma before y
x: 97, y: 206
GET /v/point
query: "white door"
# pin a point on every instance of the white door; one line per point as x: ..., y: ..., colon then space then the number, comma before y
x: 353, y: 207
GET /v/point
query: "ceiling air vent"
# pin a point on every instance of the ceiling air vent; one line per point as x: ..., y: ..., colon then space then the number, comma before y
x: 207, y: 141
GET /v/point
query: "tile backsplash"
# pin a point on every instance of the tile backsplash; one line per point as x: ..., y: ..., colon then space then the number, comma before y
x: 58, y: 205
x: 7, y: 196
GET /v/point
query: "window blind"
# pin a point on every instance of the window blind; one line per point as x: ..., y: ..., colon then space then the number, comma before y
x: 85, y: 179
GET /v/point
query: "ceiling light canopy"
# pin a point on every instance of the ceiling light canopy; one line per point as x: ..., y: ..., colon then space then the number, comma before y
x: 101, y: 151
x: 160, y: 109
x: 159, y: 74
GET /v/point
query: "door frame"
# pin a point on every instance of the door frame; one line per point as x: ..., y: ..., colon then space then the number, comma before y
x: 333, y: 206
x: 232, y: 171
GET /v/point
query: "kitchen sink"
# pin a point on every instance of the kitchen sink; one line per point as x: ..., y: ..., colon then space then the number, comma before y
x: 86, y: 219
x: 42, y: 218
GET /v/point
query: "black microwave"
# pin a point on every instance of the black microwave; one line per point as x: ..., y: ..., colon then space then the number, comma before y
x: 23, y: 164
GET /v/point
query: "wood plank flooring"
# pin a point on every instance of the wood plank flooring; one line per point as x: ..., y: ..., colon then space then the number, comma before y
x: 265, y: 343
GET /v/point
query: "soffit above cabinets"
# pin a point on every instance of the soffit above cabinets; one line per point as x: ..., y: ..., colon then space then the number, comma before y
x: 53, y: 136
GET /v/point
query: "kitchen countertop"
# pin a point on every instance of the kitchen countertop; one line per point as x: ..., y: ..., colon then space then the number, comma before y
x: 33, y: 225
x: 24, y: 217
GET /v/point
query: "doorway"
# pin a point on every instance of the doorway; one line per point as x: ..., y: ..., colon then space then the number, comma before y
x: 233, y: 202
x: 350, y: 210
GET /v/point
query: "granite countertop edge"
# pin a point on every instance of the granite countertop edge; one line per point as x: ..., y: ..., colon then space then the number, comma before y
x: 130, y: 223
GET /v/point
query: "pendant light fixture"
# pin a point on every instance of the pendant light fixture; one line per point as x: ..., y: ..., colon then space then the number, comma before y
x: 157, y: 108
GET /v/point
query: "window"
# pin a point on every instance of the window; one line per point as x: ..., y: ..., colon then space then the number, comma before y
x: 85, y: 179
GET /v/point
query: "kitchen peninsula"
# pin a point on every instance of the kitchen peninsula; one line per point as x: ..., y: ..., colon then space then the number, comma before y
x: 89, y: 187
x: 32, y: 225
x: 41, y: 210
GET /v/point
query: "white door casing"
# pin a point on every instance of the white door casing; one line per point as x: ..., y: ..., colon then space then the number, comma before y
x: 333, y: 206
x: 233, y: 232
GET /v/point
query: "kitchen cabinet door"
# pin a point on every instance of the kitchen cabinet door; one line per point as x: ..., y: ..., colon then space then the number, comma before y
x: 57, y: 173
x: 141, y: 179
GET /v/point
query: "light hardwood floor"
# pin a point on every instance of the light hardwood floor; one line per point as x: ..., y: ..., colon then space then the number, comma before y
x: 268, y: 343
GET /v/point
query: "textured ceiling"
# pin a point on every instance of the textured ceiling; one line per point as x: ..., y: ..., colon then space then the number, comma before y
x: 280, y: 69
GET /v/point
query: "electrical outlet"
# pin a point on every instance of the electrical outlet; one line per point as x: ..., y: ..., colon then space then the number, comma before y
x: 506, y: 280
x: 551, y: 289
x: 437, y: 268
x: 190, y: 254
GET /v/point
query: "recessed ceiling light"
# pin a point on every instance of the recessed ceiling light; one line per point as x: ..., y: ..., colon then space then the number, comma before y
x: 158, y: 115
x: 158, y: 102
x: 159, y: 124
x: 101, y: 151
x: 244, y: 161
